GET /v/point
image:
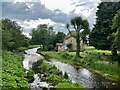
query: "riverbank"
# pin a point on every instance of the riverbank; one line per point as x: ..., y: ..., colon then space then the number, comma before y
x: 46, y: 75
x: 13, y: 74
x: 22, y: 49
x: 54, y: 77
x: 95, y: 62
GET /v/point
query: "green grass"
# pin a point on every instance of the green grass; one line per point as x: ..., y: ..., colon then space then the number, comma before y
x: 95, y: 61
x: 54, y: 76
x: 21, y: 49
x: 102, y: 64
x: 33, y: 46
x: 107, y: 68
x: 107, y: 52
x: 56, y: 55
x: 89, y: 48
x: 68, y: 85
x: 74, y: 53
x: 13, y: 74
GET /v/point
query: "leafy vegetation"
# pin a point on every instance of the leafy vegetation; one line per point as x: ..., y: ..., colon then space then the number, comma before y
x: 69, y: 86
x: 57, y: 56
x: 54, y: 79
x: 105, y: 36
x: 45, y: 36
x: 78, y: 24
x: 116, y: 34
x: 13, y: 74
x: 12, y: 37
x: 30, y: 76
x: 65, y: 75
x: 102, y: 28
x: 97, y: 60
x: 51, y: 74
x: 21, y: 49
x: 102, y: 64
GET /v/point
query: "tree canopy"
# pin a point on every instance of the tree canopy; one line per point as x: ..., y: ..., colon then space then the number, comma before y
x: 12, y: 37
x: 102, y: 28
x: 116, y: 27
x: 81, y: 28
x: 45, y: 35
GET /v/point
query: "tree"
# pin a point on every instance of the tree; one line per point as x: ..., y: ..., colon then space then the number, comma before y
x: 116, y: 34
x: 51, y: 41
x: 40, y: 35
x: 117, y: 39
x: 60, y: 37
x: 12, y: 37
x: 43, y: 35
x: 79, y: 26
x: 102, y: 28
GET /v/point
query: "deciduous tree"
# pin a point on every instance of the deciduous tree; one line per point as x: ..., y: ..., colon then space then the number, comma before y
x: 79, y: 26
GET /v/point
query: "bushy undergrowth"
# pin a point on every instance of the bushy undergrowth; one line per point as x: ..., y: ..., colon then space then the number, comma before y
x: 69, y: 86
x: 66, y: 55
x: 13, y: 74
x: 30, y: 76
x: 21, y: 49
x: 94, y: 59
x: 101, y: 63
x: 51, y: 74
x: 54, y: 79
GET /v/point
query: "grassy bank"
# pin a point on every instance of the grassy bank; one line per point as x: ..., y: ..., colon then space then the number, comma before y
x: 53, y: 76
x: 21, y: 49
x: 102, y: 65
x: 13, y: 74
x: 95, y: 60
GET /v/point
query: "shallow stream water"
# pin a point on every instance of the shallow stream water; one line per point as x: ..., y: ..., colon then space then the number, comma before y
x: 82, y: 75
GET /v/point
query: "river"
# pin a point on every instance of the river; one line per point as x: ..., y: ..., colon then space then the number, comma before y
x: 87, y: 78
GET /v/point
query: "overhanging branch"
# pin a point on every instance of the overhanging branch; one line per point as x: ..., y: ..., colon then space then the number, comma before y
x: 71, y: 33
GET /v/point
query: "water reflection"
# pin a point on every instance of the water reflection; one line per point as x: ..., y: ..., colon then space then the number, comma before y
x: 30, y: 58
x: 85, y: 73
x: 84, y: 76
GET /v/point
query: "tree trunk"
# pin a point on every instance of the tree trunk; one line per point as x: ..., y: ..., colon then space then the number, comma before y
x: 43, y: 47
x: 78, y: 44
x: 114, y: 51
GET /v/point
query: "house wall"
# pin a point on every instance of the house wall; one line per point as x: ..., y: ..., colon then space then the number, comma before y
x: 60, y: 47
x: 63, y: 46
x: 70, y: 40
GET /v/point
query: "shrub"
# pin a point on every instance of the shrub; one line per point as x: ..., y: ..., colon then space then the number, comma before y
x: 30, y: 76
x: 66, y: 55
x: 52, y: 67
x: 43, y: 78
x: 65, y: 80
x: 21, y: 49
x: 65, y: 75
x: 69, y: 85
x: 44, y: 67
x: 39, y: 62
x: 54, y: 79
x: 13, y: 74
x: 54, y: 70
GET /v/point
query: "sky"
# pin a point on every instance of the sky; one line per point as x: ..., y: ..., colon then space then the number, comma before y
x: 57, y: 13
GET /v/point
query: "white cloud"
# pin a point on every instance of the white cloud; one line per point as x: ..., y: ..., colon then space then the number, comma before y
x: 53, y: 12
x: 64, y: 5
x: 84, y: 8
x: 28, y: 25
